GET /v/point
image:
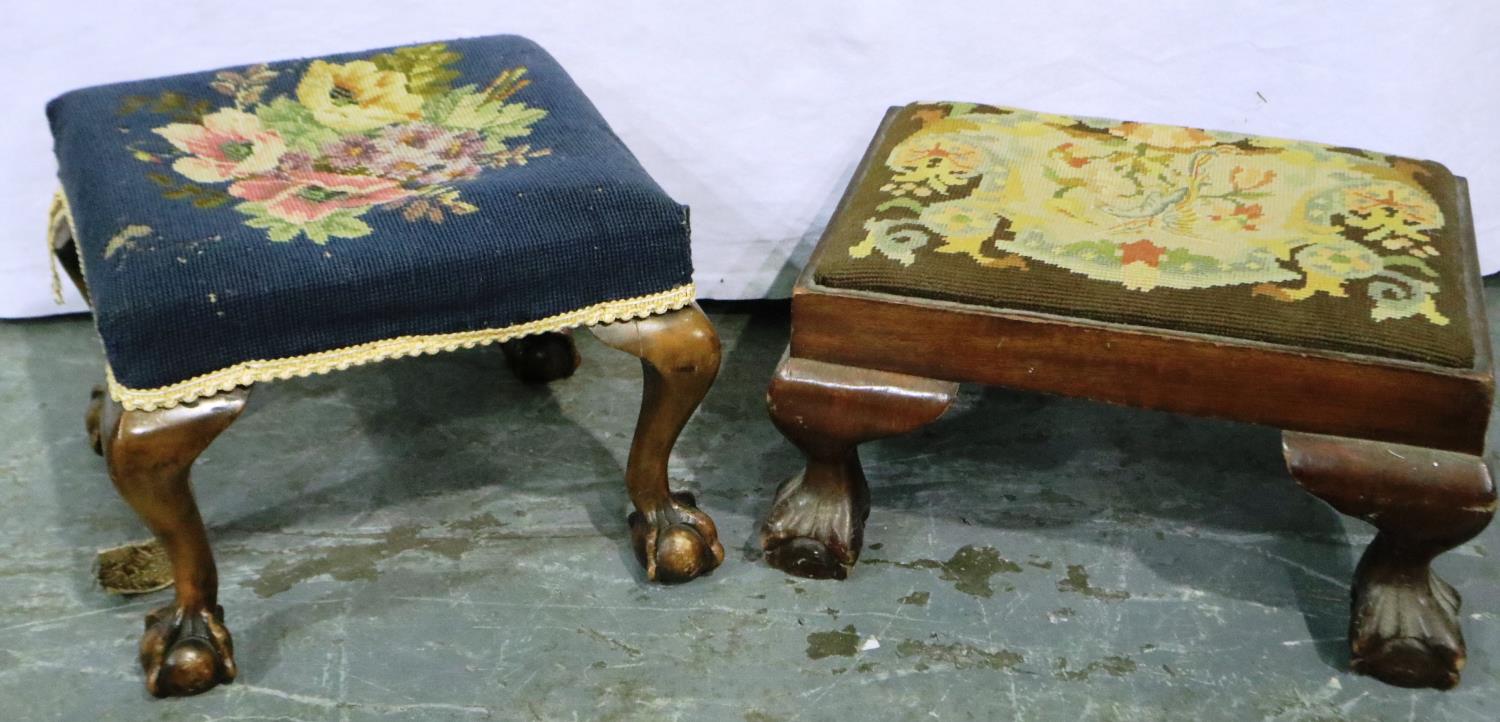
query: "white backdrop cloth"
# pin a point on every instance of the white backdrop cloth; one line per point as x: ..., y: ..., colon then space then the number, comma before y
x: 755, y: 114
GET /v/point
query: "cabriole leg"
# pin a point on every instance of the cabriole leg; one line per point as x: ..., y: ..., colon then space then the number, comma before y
x: 679, y: 354
x: 186, y: 648
x: 815, y: 527
x: 1403, y: 627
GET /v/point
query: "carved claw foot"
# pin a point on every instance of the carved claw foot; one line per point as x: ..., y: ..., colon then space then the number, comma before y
x: 186, y: 649
x: 811, y: 534
x: 816, y: 525
x: 186, y: 652
x: 91, y: 419
x: 1404, y: 628
x: 542, y: 358
x: 679, y: 353
x: 678, y: 543
x: 1403, y: 623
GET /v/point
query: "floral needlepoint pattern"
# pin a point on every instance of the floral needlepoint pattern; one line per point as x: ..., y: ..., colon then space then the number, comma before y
x: 387, y: 133
x: 307, y: 215
x: 1163, y: 226
x: 1152, y: 206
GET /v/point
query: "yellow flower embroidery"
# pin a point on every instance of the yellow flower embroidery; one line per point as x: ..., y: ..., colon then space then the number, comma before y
x: 357, y: 96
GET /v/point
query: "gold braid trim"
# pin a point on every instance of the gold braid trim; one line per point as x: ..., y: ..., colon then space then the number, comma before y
x: 248, y: 372
x: 59, y: 221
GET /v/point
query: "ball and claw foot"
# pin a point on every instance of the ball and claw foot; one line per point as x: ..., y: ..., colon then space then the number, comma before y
x: 811, y: 535
x: 91, y: 419
x: 1403, y: 621
x: 186, y: 652
x: 678, y: 543
x: 1404, y: 629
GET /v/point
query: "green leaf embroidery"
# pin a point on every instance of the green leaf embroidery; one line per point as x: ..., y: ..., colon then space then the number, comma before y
x: 343, y: 223
x: 1409, y: 261
x: 467, y: 108
x: 899, y: 202
x: 1097, y: 251
x: 439, y: 107
x: 295, y: 123
x: 425, y: 67
x: 340, y: 224
x: 513, y: 120
x: 201, y: 196
x: 181, y: 108
x: 1182, y: 260
x: 276, y: 229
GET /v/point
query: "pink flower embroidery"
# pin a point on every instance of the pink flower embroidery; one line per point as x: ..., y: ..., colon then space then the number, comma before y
x: 306, y: 196
x: 228, y: 144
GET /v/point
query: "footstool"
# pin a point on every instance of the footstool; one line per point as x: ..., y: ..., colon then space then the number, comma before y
x: 1327, y: 291
x: 300, y: 217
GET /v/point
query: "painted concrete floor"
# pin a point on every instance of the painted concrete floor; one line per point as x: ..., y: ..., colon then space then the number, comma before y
x: 430, y: 539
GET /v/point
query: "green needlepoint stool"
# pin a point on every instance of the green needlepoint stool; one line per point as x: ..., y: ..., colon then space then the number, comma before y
x: 1328, y: 291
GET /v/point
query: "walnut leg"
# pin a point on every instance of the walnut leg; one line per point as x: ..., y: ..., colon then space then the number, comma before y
x: 1403, y: 627
x: 815, y: 527
x: 679, y: 354
x: 541, y: 358
x: 186, y: 648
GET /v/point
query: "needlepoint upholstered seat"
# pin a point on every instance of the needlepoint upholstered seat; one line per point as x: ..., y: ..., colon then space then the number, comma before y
x: 289, y: 218
x: 1329, y: 291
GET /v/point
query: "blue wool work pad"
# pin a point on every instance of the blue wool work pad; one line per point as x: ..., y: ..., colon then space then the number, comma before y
x: 303, y: 216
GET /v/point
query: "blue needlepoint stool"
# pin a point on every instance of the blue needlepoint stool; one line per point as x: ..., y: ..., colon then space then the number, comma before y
x: 298, y: 217
x: 291, y: 218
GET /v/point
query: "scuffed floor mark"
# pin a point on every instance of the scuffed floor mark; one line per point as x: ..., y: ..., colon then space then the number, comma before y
x: 916, y: 599
x: 1052, y: 498
x: 957, y: 655
x: 1077, y: 582
x: 406, y: 711
x: 480, y: 522
x: 842, y: 643
x: 970, y: 569
x: 1320, y: 704
x: 1112, y: 666
x: 598, y: 636
x: 354, y: 562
